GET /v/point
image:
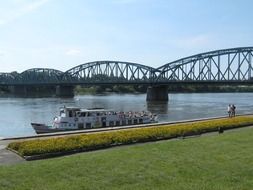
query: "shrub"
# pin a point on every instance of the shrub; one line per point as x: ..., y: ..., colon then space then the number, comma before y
x: 111, y: 138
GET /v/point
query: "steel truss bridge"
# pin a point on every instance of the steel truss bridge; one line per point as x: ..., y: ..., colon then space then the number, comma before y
x: 215, y: 67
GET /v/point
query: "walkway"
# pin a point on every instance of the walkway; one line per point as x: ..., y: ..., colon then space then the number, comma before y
x: 7, y: 157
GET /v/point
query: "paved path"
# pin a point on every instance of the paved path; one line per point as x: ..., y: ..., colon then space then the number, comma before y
x: 7, y: 157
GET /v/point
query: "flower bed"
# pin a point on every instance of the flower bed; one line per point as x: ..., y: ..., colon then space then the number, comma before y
x: 85, y: 142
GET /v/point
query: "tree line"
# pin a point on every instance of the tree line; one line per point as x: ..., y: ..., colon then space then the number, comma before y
x: 100, y: 89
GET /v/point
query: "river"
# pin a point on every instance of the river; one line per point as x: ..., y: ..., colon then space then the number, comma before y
x: 16, y: 114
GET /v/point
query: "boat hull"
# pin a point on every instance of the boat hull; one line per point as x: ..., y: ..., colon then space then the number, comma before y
x: 42, y: 128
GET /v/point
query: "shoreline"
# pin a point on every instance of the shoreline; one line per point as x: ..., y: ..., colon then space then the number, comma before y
x: 9, y: 155
x: 97, y: 130
x: 56, y: 145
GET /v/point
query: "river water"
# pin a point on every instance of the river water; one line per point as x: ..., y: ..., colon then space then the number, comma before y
x: 16, y: 114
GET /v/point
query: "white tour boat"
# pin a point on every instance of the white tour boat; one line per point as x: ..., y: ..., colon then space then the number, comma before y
x: 73, y: 118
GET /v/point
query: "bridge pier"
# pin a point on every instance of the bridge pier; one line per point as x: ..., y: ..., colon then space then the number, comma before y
x: 65, y: 91
x: 157, y: 93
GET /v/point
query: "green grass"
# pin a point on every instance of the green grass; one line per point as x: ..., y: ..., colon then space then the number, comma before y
x: 210, y: 162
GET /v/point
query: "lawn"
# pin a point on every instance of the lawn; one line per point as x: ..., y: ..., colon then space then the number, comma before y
x: 209, y: 162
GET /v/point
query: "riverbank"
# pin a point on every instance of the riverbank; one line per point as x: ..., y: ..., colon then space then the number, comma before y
x: 211, y: 162
x: 58, y: 146
x: 76, y: 132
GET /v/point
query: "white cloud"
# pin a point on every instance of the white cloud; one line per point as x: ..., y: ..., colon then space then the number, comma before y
x: 2, y: 53
x: 20, y: 9
x: 2, y: 22
x: 29, y: 7
x: 73, y: 52
x: 125, y: 1
x: 198, y: 41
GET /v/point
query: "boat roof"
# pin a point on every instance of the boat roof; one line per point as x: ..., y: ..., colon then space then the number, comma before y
x: 87, y: 109
x: 95, y: 110
x: 71, y: 108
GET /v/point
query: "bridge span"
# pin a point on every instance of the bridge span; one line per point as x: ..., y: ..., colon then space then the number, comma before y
x: 226, y: 66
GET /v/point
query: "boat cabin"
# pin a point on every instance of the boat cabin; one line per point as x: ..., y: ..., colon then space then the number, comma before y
x: 78, y: 112
x: 69, y: 111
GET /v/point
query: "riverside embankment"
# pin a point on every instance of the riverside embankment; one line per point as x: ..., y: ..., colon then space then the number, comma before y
x: 56, y: 144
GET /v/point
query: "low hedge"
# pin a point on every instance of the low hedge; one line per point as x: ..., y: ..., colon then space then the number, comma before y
x: 94, y: 141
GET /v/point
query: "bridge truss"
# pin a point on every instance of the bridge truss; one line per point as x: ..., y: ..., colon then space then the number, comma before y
x: 227, y: 65
x: 112, y: 72
x: 35, y: 76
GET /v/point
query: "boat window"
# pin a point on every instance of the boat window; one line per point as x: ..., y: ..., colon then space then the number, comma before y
x: 117, y: 123
x: 62, y: 114
x: 135, y: 121
x: 111, y: 123
x: 83, y: 114
x: 129, y: 121
x: 140, y: 120
x: 88, y: 125
x: 103, y: 122
x: 80, y: 125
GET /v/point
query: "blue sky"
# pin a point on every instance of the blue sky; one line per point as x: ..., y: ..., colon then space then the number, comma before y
x: 61, y: 34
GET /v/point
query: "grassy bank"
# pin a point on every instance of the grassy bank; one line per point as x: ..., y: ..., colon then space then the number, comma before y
x: 95, y: 141
x: 216, y: 162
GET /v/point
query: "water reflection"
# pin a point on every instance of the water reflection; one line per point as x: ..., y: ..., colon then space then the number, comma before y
x: 158, y: 107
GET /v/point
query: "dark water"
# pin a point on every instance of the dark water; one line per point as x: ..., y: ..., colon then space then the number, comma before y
x: 16, y: 114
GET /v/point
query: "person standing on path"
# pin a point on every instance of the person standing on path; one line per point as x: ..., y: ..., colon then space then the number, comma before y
x: 229, y: 111
x: 233, y: 110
